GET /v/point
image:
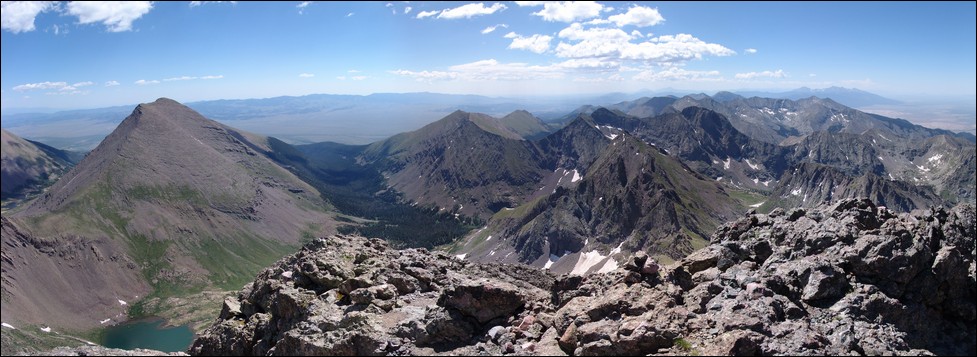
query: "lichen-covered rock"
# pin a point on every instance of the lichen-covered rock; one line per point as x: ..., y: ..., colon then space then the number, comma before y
x: 848, y: 278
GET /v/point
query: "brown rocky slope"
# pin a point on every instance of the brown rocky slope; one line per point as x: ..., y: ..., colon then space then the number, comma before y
x: 849, y: 278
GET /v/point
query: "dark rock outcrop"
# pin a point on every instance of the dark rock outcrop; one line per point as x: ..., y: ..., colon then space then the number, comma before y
x: 847, y: 278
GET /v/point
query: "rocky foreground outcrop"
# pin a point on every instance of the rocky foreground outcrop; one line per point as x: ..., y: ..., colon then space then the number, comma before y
x: 850, y: 278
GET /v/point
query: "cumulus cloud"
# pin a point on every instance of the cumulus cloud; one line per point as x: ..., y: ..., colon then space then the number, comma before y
x: 530, y: 3
x: 676, y: 74
x: 569, y: 11
x: 470, y: 10
x: 765, y: 74
x: 112, y: 83
x: 490, y: 29
x: 423, y: 14
x: 117, y: 16
x: 408, y: 9
x: 750, y: 50
x: 615, y: 43
x: 534, y: 43
x: 18, y: 16
x: 306, y: 75
x: 143, y: 82
x: 40, y: 85
x: 638, y: 16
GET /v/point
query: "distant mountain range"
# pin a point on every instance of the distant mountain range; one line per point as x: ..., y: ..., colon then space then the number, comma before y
x: 350, y: 119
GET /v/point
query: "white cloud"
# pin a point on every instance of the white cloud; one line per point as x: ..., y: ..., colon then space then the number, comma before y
x: 569, y: 11
x: 423, y: 14
x: 306, y: 75
x: 676, y: 74
x: 117, y: 16
x: 302, y: 5
x: 350, y: 14
x: 490, y: 29
x: 530, y: 3
x: 41, y: 85
x: 812, y: 75
x: 589, y: 63
x: 358, y: 78
x: 534, y: 43
x: 765, y: 74
x: 487, y: 70
x: 750, y: 50
x: 391, y: 7
x: 112, y: 83
x: 143, y: 82
x: 219, y: 76
x: 407, y: 10
x: 83, y: 84
x: 614, y: 43
x: 18, y: 16
x: 677, y: 48
x: 198, y: 3
x: 182, y: 78
x: 470, y: 10
x: 426, y: 76
x: 638, y: 16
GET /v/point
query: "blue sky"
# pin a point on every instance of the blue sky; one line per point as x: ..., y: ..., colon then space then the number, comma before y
x: 81, y: 55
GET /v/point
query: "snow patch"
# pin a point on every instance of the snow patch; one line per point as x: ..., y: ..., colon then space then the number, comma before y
x: 576, y: 176
x: 609, y: 266
x: 105, y: 321
x: 766, y: 183
x: 935, y: 159
x: 549, y: 262
x: 752, y: 166
x: 489, y: 238
x: 46, y: 329
x: 123, y: 303
x: 586, y: 261
x: 883, y: 137
x: 616, y: 250
x: 756, y: 181
x: 287, y: 274
x: 726, y: 164
x: 6, y: 325
x: 461, y: 256
x: 796, y: 192
x: 757, y: 205
x: 720, y: 178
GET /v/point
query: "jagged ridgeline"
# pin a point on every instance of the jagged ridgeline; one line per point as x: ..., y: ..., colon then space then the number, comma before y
x: 834, y: 280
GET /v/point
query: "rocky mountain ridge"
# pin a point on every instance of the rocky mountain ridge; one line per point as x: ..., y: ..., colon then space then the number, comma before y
x: 838, y: 279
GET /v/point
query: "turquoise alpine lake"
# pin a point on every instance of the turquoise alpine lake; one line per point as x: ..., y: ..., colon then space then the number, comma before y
x: 149, y: 334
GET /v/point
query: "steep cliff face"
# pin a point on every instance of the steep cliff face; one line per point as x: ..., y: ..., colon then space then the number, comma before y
x: 838, y: 279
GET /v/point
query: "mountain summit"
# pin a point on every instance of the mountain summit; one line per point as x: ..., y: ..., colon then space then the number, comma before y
x: 169, y: 202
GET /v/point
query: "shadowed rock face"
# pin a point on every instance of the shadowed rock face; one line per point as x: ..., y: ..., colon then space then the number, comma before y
x: 837, y: 279
x: 27, y: 164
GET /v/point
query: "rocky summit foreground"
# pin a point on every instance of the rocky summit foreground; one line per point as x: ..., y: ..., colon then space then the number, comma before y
x: 849, y: 278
